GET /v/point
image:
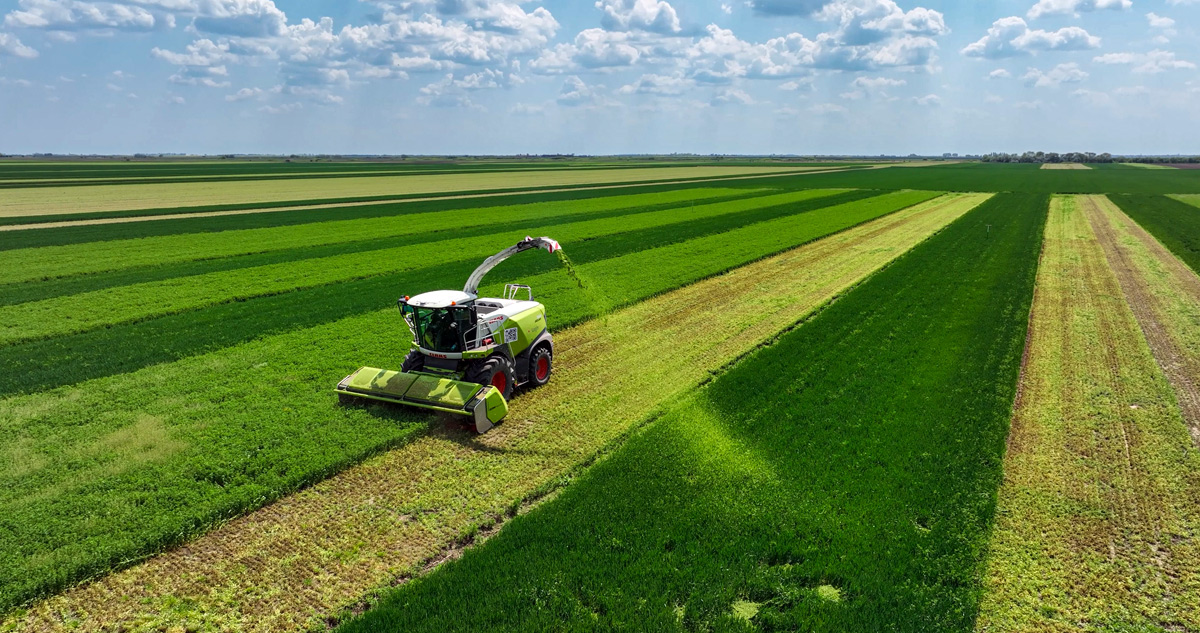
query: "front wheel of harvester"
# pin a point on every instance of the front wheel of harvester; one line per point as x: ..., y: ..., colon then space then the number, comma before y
x: 541, y: 362
x: 415, y: 361
x: 495, y: 371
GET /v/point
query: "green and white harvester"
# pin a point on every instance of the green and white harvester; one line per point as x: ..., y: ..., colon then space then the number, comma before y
x: 468, y: 352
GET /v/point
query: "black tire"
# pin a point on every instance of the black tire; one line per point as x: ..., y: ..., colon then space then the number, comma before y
x: 485, y: 373
x: 415, y: 361
x: 539, y: 375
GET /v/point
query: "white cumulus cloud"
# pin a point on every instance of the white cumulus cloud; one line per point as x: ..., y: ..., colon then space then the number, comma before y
x: 1074, y: 7
x: 73, y: 15
x: 1060, y: 74
x: 10, y: 45
x: 1156, y: 61
x: 1009, y: 37
x: 575, y: 92
x: 657, y: 85
x: 648, y: 15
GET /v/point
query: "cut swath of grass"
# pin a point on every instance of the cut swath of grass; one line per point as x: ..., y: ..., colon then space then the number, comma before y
x: 1173, y: 222
x: 126, y: 304
x: 1164, y: 295
x: 259, y: 419
x: 1098, y: 504
x: 843, y: 478
x: 43, y: 364
x: 61, y: 261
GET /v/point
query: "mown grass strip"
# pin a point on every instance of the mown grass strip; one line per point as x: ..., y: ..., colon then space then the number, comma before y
x: 1192, y: 199
x: 87, y: 311
x: 331, y: 543
x: 1170, y: 219
x: 40, y: 365
x: 61, y: 261
x: 1098, y: 511
x: 1173, y: 222
x: 840, y: 480
x: 1164, y: 295
x: 86, y: 199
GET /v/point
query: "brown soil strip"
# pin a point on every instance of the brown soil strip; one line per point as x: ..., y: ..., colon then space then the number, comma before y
x: 1150, y: 293
x: 302, y: 560
x: 1098, y: 518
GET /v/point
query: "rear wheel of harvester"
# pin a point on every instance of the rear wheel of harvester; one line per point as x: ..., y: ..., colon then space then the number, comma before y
x: 541, y: 363
x: 495, y: 371
x: 415, y: 361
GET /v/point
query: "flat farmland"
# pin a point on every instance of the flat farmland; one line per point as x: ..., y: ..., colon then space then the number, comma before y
x: 41, y: 201
x: 772, y: 406
x: 1064, y: 166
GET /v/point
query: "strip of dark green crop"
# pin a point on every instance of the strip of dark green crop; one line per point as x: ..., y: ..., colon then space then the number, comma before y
x: 982, y: 177
x: 11, y: 294
x: 65, y: 360
x: 842, y: 479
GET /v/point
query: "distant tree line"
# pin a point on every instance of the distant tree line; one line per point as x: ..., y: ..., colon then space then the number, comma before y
x: 1082, y: 157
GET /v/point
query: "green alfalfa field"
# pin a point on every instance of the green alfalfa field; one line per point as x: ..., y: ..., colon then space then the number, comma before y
x: 163, y: 377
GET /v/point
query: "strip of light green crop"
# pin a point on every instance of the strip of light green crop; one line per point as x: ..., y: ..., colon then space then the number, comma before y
x: 60, y: 261
x: 90, y: 310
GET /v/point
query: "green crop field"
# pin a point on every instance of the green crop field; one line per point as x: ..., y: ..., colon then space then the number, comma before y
x: 781, y: 398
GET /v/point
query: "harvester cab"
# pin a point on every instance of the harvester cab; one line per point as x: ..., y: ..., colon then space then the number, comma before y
x: 468, y: 352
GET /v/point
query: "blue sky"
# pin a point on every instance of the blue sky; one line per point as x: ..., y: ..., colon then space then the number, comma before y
x: 599, y: 77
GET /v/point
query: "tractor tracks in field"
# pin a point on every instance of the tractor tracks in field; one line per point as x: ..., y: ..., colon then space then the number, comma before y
x: 305, y: 559
x: 1096, y: 517
x: 1152, y: 279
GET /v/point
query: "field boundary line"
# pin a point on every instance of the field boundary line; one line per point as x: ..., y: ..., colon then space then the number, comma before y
x: 211, y: 214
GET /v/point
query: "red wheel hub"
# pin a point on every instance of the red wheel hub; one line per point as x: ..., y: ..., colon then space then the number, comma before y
x: 543, y: 367
x: 500, y: 381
